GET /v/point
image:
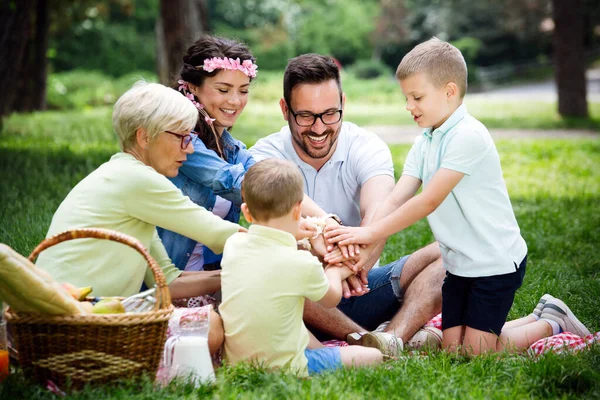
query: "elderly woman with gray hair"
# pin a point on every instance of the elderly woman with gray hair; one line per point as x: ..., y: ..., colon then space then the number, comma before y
x: 131, y: 194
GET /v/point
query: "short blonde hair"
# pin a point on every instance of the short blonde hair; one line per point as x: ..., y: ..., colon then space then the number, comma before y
x: 153, y: 107
x: 442, y: 62
x: 271, y: 188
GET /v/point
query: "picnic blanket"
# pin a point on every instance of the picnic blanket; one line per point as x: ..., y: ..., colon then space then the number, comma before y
x: 560, y: 343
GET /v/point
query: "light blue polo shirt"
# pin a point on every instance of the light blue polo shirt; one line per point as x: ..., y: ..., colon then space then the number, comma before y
x: 475, y: 225
x: 359, y: 156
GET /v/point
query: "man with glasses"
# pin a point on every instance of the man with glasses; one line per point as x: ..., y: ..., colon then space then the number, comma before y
x: 349, y: 171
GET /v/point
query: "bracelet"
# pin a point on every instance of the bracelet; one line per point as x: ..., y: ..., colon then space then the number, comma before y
x: 332, y: 216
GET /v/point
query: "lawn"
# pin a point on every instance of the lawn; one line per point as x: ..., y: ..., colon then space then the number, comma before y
x: 555, y: 190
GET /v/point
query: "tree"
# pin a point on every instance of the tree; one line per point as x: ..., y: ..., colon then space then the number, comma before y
x: 569, y: 57
x: 15, y: 32
x: 180, y: 22
x: 34, y: 70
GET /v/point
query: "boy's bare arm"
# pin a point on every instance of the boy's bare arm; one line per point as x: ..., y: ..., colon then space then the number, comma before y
x: 407, y: 214
x: 335, y: 276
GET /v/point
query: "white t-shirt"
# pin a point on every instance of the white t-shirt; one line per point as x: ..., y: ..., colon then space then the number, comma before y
x: 359, y: 156
x: 475, y: 225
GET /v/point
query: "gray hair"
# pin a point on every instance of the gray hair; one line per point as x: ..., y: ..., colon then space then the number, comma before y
x: 439, y: 60
x: 153, y: 107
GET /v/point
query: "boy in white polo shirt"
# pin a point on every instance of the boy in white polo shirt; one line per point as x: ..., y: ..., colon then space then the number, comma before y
x: 265, y: 279
x: 466, y: 202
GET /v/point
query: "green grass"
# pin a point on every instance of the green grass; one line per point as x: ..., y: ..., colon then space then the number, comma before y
x: 555, y: 190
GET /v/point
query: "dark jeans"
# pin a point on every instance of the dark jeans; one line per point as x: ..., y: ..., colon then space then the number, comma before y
x: 381, y: 303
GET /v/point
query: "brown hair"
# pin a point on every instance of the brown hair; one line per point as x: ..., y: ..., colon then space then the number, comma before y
x: 271, y: 188
x: 208, y: 47
x: 309, y: 68
x: 442, y: 62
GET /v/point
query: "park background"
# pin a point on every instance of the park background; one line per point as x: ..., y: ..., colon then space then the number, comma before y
x: 63, y: 64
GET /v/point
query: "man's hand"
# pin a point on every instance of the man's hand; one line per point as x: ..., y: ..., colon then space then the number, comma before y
x: 353, y: 287
x: 345, y: 235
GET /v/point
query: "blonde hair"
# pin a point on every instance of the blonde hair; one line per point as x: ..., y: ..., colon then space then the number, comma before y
x: 442, y: 62
x: 153, y: 107
x: 271, y: 188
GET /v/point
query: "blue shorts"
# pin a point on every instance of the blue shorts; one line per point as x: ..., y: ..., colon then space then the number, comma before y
x: 323, y: 359
x: 383, y: 300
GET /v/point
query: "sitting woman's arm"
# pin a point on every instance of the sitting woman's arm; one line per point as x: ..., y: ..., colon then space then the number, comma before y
x: 195, y: 283
x: 182, y: 284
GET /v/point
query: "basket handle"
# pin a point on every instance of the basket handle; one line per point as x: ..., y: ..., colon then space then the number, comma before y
x: 163, y: 295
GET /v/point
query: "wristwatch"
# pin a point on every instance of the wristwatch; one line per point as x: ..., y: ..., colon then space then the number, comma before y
x: 334, y: 217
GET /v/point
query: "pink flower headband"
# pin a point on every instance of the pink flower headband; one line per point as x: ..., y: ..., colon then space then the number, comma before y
x: 246, y: 66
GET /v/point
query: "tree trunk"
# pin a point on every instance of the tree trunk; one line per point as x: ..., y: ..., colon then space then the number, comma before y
x: 179, y: 24
x: 569, y: 57
x: 15, y: 28
x: 34, y: 71
x: 40, y: 74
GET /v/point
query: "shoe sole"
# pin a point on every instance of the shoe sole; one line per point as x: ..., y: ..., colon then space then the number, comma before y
x: 355, y: 339
x: 539, y: 308
x: 560, y: 307
x: 370, y: 340
x: 427, y: 337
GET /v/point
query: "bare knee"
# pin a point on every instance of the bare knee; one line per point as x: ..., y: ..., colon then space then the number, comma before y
x: 359, y: 356
x: 216, y: 333
x: 429, y: 253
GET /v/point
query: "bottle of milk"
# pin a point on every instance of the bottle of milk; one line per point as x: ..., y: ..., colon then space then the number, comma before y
x: 186, y: 350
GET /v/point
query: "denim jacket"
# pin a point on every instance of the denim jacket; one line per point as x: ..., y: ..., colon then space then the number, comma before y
x: 202, y: 177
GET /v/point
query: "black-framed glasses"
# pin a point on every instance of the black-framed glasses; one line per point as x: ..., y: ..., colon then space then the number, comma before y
x: 306, y: 118
x: 185, y: 139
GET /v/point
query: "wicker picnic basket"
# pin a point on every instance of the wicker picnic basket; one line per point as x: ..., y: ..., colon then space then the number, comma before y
x: 93, y: 348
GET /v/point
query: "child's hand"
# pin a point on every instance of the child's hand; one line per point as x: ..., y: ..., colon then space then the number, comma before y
x: 308, y: 229
x: 341, y: 273
x: 345, y: 235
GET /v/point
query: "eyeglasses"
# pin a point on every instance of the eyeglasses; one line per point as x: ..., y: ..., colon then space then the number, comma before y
x: 185, y: 139
x: 306, y: 118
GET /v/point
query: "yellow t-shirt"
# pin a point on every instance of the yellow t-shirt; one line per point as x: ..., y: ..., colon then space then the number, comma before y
x: 128, y: 196
x: 264, y: 282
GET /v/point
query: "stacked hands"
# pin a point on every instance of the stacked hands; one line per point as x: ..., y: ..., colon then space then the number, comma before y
x: 325, y: 243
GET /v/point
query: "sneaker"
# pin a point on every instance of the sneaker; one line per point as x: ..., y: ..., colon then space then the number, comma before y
x: 537, y: 311
x: 388, y: 344
x: 556, y: 310
x: 355, y: 338
x: 382, y: 327
x: 427, y: 337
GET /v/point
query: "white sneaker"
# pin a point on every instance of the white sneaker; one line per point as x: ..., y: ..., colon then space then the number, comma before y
x: 355, y: 338
x: 388, y: 344
x: 541, y: 304
x: 556, y: 310
x: 427, y: 337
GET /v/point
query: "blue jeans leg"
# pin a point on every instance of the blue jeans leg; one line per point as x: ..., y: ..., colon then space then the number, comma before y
x: 382, y: 302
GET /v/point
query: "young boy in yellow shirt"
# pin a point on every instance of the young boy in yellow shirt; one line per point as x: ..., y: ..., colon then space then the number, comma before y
x: 265, y: 279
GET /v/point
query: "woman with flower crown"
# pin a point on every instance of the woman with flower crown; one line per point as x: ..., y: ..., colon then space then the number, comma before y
x: 215, y: 76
